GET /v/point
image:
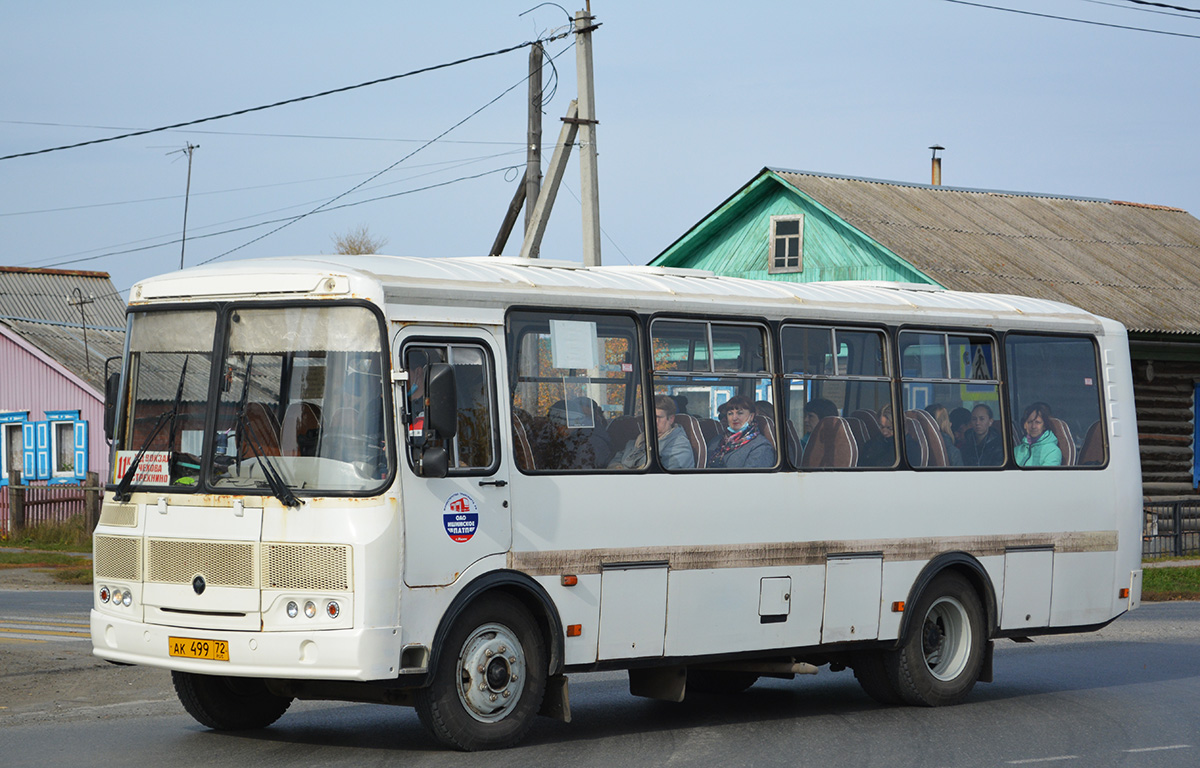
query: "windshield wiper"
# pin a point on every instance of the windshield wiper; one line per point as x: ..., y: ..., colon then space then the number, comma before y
x: 123, y: 488
x: 279, y: 486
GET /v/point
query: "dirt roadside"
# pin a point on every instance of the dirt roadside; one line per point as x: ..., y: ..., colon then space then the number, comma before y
x: 62, y: 680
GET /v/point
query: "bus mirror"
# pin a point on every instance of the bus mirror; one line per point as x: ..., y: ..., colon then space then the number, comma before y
x: 441, y: 390
x: 112, y: 387
x: 434, y: 462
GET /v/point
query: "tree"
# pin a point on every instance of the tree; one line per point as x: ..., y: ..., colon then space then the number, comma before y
x: 358, y: 241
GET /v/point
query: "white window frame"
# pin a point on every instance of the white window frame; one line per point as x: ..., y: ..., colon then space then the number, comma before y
x: 773, y: 267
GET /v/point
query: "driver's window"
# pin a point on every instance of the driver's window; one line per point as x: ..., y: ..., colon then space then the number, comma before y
x: 473, y: 449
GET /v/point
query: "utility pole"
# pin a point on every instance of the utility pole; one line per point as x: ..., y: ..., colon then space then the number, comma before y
x: 80, y: 302
x: 189, y: 149
x: 533, y: 152
x: 589, y: 188
x: 530, y: 187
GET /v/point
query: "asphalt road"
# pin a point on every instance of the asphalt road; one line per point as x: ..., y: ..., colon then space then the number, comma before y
x: 1128, y: 695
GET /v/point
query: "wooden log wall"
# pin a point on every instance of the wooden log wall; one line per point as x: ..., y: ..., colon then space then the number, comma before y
x: 1164, y: 414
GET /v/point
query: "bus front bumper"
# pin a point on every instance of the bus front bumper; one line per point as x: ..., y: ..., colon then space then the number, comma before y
x: 336, y: 654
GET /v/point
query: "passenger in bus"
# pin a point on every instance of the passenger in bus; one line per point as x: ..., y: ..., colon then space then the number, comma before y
x: 880, y: 450
x: 674, y: 449
x: 960, y: 424
x: 942, y: 417
x: 815, y: 410
x: 1039, y: 446
x: 741, y: 446
x: 981, y: 446
x: 577, y: 439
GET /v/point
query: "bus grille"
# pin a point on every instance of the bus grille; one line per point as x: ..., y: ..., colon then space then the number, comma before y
x: 119, y: 514
x: 222, y: 563
x: 306, y: 566
x: 118, y: 557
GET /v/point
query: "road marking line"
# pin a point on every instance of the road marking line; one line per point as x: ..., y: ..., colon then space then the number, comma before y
x: 1159, y: 749
x: 38, y: 622
x: 20, y: 640
x: 55, y: 632
x: 1043, y: 759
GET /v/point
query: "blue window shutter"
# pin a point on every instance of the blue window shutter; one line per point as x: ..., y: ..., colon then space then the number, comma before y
x: 42, y: 428
x: 81, y: 450
x: 29, y: 452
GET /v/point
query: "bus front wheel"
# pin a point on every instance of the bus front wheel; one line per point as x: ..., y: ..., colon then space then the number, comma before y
x: 228, y: 703
x: 489, y: 679
x: 942, y: 655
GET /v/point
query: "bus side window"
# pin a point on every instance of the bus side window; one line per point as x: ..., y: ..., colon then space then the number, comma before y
x: 1054, y: 391
x: 839, y: 398
x: 472, y: 450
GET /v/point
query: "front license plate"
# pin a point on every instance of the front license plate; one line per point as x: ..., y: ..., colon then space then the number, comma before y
x: 193, y: 648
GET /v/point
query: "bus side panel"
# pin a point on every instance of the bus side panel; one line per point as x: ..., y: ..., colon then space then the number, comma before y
x: 718, y: 610
x: 1077, y: 600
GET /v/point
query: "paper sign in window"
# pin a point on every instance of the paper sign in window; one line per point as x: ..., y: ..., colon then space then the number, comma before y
x: 572, y: 344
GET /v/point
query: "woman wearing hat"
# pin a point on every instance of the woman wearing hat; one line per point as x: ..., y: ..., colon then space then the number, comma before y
x: 741, y: 446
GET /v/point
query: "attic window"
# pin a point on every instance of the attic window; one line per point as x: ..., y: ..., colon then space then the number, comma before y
x: 787, y: 244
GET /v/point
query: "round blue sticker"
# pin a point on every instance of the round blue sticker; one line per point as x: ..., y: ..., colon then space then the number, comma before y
x: 461, y: 517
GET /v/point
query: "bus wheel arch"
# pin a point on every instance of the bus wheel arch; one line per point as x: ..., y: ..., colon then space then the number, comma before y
x: 970, y: 569
x: 526, y: 591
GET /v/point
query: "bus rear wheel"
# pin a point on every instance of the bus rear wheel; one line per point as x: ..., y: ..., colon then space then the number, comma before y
x: 940, y: 659
x: 489, y: 679
x: 228, y: 703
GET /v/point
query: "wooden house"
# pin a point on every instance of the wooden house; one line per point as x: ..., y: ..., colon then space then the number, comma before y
x: 1136, y: 263
x: 57, y: 328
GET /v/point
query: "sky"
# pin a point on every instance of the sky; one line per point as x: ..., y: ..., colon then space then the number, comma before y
x: 693, y: 99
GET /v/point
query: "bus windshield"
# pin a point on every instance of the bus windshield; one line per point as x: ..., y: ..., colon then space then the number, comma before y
x: 299, y: 401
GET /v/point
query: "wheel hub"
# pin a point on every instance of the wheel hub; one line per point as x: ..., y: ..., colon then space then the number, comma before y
x: 492, y: 672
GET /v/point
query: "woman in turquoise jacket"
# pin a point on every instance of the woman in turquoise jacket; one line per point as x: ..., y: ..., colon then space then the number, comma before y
x: 1039, y: 447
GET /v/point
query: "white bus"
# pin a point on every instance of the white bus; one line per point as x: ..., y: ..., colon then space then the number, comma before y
x: 428, y: 482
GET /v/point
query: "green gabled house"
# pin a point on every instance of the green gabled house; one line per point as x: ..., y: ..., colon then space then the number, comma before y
x: 1136, y: 263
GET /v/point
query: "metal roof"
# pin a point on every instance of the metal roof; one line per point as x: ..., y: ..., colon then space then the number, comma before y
x: 35, y: 303
x: 1139, y: 264
x: 499, y: 282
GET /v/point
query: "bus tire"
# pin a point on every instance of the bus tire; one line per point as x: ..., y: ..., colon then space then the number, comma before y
x: 870, y: 670
x: 940, y: 659
x: 228, y: 703
x: 720, y: 682
x: 489, y: 678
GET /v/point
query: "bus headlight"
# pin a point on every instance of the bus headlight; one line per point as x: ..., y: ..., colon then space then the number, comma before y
x: 310, y: 609
x: 117, y: 596
x: 292, y: 609
x: 127, y: 599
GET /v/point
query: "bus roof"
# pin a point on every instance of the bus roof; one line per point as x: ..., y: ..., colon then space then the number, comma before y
x: 499, y: 282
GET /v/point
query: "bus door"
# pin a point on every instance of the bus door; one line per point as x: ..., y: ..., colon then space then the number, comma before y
x: 451, y: 522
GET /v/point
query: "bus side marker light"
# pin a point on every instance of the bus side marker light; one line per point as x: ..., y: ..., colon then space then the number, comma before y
x: 574, y: 630
x: 570, y: 581
x: 1124, y: 593
x: 898, y: 606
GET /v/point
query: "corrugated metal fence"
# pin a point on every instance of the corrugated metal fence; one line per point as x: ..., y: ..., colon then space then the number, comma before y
x: 50, y: 504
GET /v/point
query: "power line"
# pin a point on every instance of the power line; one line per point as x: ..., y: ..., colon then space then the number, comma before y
x: 343, y: 89
x: 502, y: 94
x: 450, y: 163
x: 1164, y: 5
x: 1065, y: 18
x: 286, y: 219
x: 260, y: 134
x: 1142, y: 10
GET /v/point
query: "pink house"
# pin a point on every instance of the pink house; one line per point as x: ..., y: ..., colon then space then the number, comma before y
x: 57, y: 329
